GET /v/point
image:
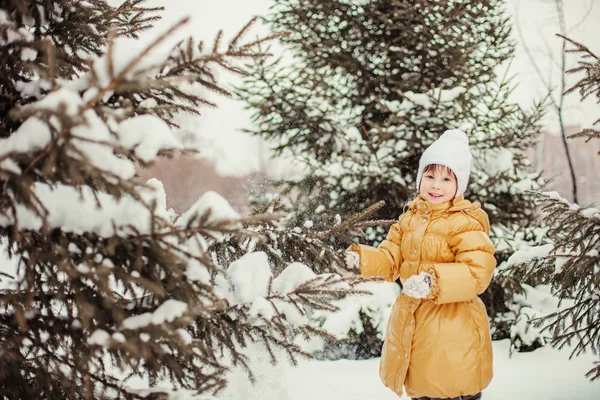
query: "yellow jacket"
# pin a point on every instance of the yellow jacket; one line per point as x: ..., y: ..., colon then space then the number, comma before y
x: 440, y: 346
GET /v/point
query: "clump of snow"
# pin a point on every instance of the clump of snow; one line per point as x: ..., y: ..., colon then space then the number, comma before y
x: 541, y: 298
x: 197, y: 272
x: 146, y: 135
x: 28, y: 54
x: 526, y: 255
x: 352, y: 260
x: 137, y: 321
x: 418, y: 286
x: 293, y: 315
x: 524, y: 331
x: 11, y: 33
x: 99, y: 337
x: 166, y: 312
x: 185, y: 336
x: 262, y: 307
x: 95, y: 144
x: 169, y: 311
x: 591, y: 213
x: 9, y: 165
x: 119, y: 337
x: 250, y: 276
x: 61, y: 99
x: 294, y: 275
x: 523, y: 185
x: 155, y: 193
x: 555, y: 196
x: 219, y: 208
x: 32, y: 135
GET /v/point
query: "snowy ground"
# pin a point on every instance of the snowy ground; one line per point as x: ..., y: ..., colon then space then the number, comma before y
x: 544, y: 374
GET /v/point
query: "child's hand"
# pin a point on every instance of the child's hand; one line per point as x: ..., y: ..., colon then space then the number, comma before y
x: 352, y: 260
x: 418, y: 286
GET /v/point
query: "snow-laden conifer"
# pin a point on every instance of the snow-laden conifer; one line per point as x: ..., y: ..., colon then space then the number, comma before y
x: 100, y: 281
x: 364, y: 87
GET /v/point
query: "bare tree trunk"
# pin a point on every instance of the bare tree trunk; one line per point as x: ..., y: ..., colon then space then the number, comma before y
x: 559, y: 107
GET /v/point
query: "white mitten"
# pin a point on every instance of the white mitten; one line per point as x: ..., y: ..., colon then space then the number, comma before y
x: 418, y: 286
x: 352, y: 259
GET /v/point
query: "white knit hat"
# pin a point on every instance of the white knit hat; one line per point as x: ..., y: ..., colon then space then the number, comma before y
x: 451, y: 150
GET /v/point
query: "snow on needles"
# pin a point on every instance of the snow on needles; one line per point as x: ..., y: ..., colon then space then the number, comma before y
x: 215, y: 205
x: 82, y: 210
x: 33, y: 134
x: 169, y: 311
x: 166, y: 312
x: 523, y: 256
x: 247, y: 284
x: 146, y: 135
x: 250, y: 276
x: 293, y: 276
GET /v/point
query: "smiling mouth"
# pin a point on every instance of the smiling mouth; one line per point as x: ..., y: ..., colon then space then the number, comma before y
x: 435, y: 195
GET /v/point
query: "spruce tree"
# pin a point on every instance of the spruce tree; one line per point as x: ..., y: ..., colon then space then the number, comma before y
x: 364, y: 87
x: 104, y: 282
x: 570, y: 263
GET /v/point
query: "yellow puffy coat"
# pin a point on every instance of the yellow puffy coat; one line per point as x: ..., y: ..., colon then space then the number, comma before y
x: 440, y: 346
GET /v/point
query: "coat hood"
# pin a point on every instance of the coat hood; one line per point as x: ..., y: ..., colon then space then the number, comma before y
x: 459, y: 204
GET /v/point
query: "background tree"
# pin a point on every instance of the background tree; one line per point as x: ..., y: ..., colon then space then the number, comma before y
x: 570, y: 264
x: 557, y: 91
x: 366, y: 86
x: 103, y: 281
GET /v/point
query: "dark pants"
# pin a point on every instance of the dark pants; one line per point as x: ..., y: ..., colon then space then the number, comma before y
x: 473, y: 397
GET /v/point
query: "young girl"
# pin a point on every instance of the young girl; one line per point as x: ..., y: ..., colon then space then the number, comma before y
x: 437, y: 343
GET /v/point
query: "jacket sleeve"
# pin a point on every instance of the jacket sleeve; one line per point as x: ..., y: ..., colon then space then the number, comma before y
x: 385, y: 260
x: 474, y: 264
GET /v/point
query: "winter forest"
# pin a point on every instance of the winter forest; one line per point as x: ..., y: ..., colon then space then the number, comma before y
x: 321, y: 110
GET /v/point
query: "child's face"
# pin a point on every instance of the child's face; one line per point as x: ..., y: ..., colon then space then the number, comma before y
x: 438, y: 185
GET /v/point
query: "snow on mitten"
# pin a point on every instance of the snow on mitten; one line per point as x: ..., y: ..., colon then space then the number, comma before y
x: 418, y: 286
x: 352, y: 259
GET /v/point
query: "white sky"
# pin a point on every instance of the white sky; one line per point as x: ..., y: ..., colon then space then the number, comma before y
x: 237, y: 153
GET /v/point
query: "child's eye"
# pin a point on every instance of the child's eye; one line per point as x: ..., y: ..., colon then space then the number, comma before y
x: 429, y: 176
x: 447, y: 179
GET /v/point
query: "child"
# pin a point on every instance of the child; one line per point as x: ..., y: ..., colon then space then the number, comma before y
x: 437, y: 343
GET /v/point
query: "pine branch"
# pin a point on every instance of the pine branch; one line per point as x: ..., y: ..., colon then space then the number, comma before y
x: 589, y: 85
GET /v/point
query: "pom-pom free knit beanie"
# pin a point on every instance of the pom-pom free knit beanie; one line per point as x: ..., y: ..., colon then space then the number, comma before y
x: 451, y: 150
